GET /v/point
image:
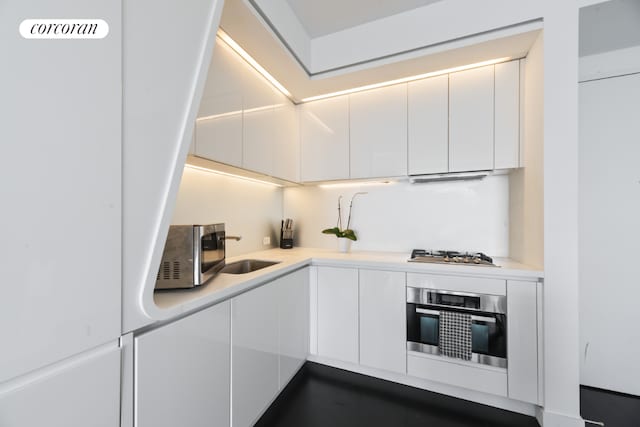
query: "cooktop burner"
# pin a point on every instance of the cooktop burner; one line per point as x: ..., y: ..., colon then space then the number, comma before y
x: 451, y: 257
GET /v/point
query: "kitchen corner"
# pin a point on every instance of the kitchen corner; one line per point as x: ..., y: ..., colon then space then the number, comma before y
x: 168, y: 304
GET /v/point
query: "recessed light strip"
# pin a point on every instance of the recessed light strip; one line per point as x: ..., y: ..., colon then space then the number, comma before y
x: 355, y: 184
x: 240, y: 51
x: 407, y: 79
x: 216, y: 172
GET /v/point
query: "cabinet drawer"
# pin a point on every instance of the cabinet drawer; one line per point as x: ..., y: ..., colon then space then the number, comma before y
x: 487, y: 380
x: 458, y: 283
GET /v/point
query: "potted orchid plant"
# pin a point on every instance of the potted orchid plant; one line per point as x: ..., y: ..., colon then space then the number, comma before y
x: 345, y: 235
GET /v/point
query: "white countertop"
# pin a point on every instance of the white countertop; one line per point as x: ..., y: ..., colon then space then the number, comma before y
x: 172, y: 303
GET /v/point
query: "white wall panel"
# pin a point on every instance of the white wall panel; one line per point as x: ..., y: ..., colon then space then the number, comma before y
x: 609, y: 212
x: 81, y: 391
x: 472, y: 215
x: 60, y: 180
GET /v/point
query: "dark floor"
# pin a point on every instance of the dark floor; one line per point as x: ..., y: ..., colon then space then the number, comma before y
x: 321, y: 396
x: 610, y: 408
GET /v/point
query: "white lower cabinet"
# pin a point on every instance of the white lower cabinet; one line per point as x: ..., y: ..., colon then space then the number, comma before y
x: 269, y: 332
x: 78, y: 393
x: 254, y: 328
x: 182, y: 371
x: 462, y: 374
x: 360, y: 316
x: 293, y: 323
x: 522, y: 341
x: 338, y: 313
x: 383, y: 320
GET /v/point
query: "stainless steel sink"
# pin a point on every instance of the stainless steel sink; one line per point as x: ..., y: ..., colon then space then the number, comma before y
x: 247, y: 266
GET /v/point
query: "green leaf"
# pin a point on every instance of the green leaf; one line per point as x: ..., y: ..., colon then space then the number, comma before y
x: 334, y: 230
x: 349, y: 234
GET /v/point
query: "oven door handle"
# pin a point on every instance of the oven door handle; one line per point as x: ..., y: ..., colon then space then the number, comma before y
x: 473, y: 317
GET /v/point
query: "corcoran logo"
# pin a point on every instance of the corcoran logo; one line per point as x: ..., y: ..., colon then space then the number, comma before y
x: 64, y: 29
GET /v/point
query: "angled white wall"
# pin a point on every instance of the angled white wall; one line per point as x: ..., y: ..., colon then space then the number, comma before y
x: 164, y: 72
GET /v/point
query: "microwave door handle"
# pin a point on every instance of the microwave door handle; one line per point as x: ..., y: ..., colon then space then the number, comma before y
x: 473, y: 317
x: 426, y: 311
x: 483, y: 319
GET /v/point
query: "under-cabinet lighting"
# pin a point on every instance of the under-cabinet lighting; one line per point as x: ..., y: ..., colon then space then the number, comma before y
x: 354, y: 184
x: 407, y: 79
x: 240, y: 51
x: 216, y: 172
x: 238, y: 112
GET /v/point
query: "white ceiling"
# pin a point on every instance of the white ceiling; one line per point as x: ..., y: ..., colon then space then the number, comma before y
x: 431, y: 37
x: 322, y: 17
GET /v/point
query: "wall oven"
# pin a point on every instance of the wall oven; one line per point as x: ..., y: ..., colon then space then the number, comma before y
x: 462, y: 325
x: 192, y: 255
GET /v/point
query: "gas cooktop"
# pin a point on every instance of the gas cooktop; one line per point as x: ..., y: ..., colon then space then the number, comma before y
x: 451, y: 257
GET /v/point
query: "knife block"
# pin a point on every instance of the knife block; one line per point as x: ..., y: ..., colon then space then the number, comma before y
x: 286, y: 239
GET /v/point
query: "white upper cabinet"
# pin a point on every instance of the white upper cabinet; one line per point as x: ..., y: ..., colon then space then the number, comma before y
x: 286, y: 148
x: 324, y: 135
x: 218, y: 132
x: 428, y: 121
x: 471, y: 116
x: 219, y: 124
x: 507, y: 115
x: 378, y: 132
x: 244, y: 121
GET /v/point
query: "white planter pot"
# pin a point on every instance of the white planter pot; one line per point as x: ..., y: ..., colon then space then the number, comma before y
x: 344, y: 245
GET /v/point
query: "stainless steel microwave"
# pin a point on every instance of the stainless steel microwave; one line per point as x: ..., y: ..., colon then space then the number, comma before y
x: 192, y: 255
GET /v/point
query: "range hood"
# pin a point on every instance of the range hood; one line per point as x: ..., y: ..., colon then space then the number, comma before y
x: 455, y: 176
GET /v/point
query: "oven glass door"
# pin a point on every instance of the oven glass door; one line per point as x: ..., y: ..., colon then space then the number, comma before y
x: 488, y: 333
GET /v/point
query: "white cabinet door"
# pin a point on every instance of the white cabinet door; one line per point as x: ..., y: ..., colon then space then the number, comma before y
x: 378, y: 132
x: 286, y: 149
x: 258, y: 140
x: 324, y: 136
x: 522, y: 340
x: 383, y: 330
x: 219, y: 123
x: 471, y: 120
x: 507, y: 115
x: 260, y: 99
x: 182, y: 371
x: 82, y: 392
x: 338, y: 313
x: 254, y: 353
x: 293, y: 323
x: 218, y: 133
x: 428, y: 121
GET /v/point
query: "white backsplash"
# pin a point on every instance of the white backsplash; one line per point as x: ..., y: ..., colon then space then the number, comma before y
x: 463, y: 215
x: 249, y: 209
